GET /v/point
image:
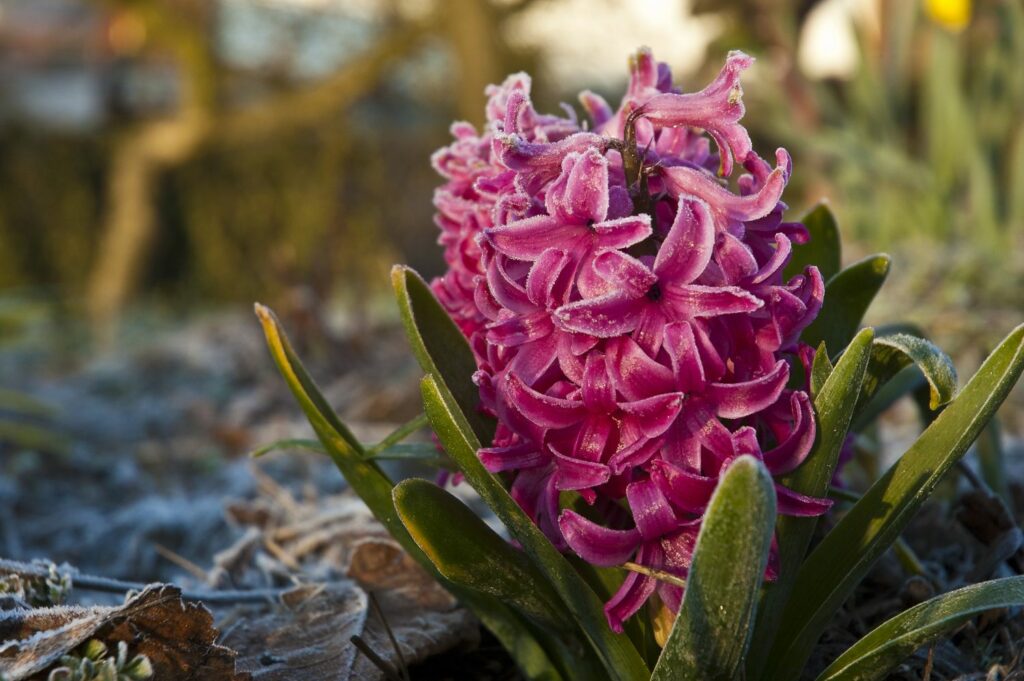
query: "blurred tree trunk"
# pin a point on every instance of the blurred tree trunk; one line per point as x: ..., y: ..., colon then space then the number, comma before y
x: 130, y: 224
x: 143, y: 153
x: 475, y: 34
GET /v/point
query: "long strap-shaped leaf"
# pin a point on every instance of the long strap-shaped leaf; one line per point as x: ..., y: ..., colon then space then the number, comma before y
x: 891, y: 642
x: 833, y: 405
x: 617, y: 653
x: 711, y: 633
x: 891, y: 353
x: 439, y: 346
x: 374, y: 488
x: 364, y: 476
x: 823, y: 250
x: 837, y: 564
x: 847, y: 297
x: 465, y: 550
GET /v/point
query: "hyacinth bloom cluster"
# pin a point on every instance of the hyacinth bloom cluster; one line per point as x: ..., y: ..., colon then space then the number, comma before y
x: 620, y: 281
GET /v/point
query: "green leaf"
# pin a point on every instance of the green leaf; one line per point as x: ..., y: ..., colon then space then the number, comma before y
x: 465, y: 550
x: 823, y: 250
x: 847, y: 297
x: 891, y: 353
x: 821, y: 369
x: 887, y: 645
x: 399, y: 434
x: 844, y: 556
x: 833, y: 406
x: 363, y: 475
x: 992, y: 461
x: 712, y: 631
x: 907, y: 381
x: 439, y: 346
x: 618, y: 655
x: 374, y: 488
x: 289, y: 443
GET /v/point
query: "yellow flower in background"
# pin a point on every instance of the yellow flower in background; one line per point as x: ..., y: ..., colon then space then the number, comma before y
x: 953, y: 15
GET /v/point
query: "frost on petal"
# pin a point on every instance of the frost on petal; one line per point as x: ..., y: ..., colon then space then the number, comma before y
x: 681, y: 345
x: 540, y: 409
x: 512, y: 457
x: 580, y: 194
x: 596, y: 544
x: 687, y: 490
x: 652, y: 416
x: 691, y: 300
x: 607, y: 316
x: 527, y: 239
x: 717, y: 108
x: 683, y: 180
x: 652, y: 513
x: 687, y: 249
x: 736, y: 400
x: 633, y: 372
x: 598, y: 391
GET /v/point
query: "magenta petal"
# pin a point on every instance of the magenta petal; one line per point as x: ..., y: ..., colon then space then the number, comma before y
x: 682, y: 180
x: 596, y: 107
x: 519, y: 329
x: 505, y: 290
x: 736, y: 400
x: 735, y: 258
x: 638, y: 452
x: 540, y: 409
x: 547, y: 281
x: 794, y: 504
x: 688, y: 491
x: 596, y: 544
x: 575, y: 474
x: 522, y: 455
x: 780, y: 257
x: 535, y: 492
x: 598, y: 391
x: 580, y: 193
x: 527, y: 239
x: 625, y: 272
x: 652, y: 513
x: 681, y: 345
x: 687, y: 249
x: 654, y: 415
x: 717, y: 108
x: 792, y: 451
x: 630, y: 597
x: 593, y: 437
x: 634, y: 373
x: 677, y: 548
x: 533, y: 359
x: 609, y: 315
x: 623, y: 232
x: 539, y: 162
x: 682, y: 446
x: 690, y: 301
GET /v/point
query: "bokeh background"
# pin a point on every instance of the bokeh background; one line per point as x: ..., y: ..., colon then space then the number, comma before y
x: 166, y: 158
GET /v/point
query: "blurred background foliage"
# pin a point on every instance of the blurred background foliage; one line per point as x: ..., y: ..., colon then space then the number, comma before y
x: 194, y: 153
